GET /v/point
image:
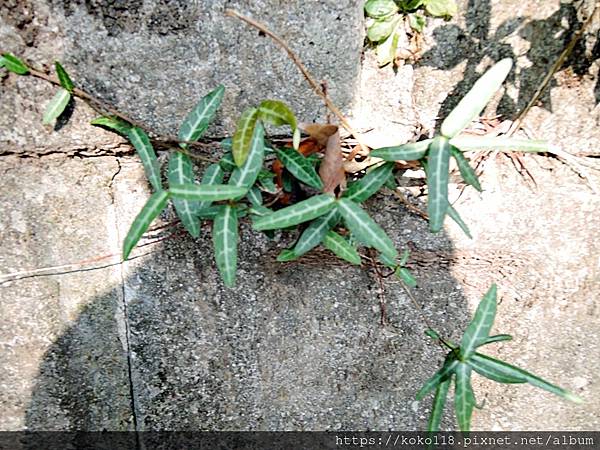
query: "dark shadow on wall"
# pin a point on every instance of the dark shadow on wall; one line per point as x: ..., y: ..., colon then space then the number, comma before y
x: 292, y: 347
x: 547, y: 39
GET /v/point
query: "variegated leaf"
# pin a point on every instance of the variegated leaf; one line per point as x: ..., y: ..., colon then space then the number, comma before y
x: 300, y: 212
x: 225, y: 240
x: 341, y: 247
x: 198, y: 120
x: 464, y: 399
x: 479, y: 328
x: 368, y: 185
x: 144, y: 149
x: 149, y: 212
x: 245, y: 176
x: 412, y: 151
x: 212, y: 193
x: 300, y: 167
x: 438, y: 163
x: 181, y: 171
x: 365, y: 228
x: 242, y: 138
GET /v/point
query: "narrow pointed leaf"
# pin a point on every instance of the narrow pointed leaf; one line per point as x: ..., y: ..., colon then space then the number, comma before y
x: 437, y: 407
x: 209, y: 213
x: 246, y: 175
x: 412, y: 151
x: 300, y: 212
x: 495, y: 372
x: 181, y: 172
x: 387, y: 261
x: 242, y: 139
x: 453, y: 214
x: 364, y: 188
x: 466, y: 171
x: 315, y: 232
x: 365, y: 228
x: 56, y: 106
x: 341, y: 248
x: 404, y: 258
x: 260, y: 210
x: 300, y: 167
x: 438, y: 162
x: 212, y: 175
x: 14, y: 64
x: 441, y: 375
x: 144, y: 149
x: 511, y: 370
x: 479, y: 328
x: 405, y: 275
x: 464, y: 399
x: 149, y: 212
x: 63, y: 77
x: 255, y: 196
x: 198, y: 120
x: 225, y: 240
x: 433, y: 334
x: 287, y: 254
x: 213, y: 193
x: 277, y: 113
x: 113, y: 123
x: 497, y: 338
x: 475, y: 100
x: 466, y: 143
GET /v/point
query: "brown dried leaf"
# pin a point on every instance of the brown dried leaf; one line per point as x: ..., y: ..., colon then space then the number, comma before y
x: 319, y: 132
x: 332, y: 167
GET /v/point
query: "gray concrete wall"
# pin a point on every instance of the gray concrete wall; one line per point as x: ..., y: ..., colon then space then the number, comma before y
x: 159, y: 343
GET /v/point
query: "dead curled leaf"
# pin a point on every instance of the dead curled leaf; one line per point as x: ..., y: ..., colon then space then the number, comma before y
x: 332, y: 170
x: 319, y: 132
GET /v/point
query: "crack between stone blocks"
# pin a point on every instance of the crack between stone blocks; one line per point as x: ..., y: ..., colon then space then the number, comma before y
x: 74, y: 152
x: 133, y: 403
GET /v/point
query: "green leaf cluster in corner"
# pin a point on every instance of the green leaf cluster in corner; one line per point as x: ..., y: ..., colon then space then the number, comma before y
x: 464, y: 359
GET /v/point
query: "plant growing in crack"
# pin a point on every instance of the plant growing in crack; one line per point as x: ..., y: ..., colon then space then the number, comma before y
x: 261, y: 178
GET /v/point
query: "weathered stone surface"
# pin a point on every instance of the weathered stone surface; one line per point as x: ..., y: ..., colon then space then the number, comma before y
x: 56, y: 376
x: 155, y: 60
x: 159, y: 343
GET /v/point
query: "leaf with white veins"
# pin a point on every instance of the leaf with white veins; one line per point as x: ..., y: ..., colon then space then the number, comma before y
x: 149, y: 212
x: 245, y: 176
x: 242, y: 138
x: 479, y: 328
x: 300, y: 167
x: 225, y: 240
x: 213, y: 193
x: 300, y: 212
x: 198, y: 120
x: 412, y: 151
x: 365, y: 229
x: 438, y: 163
x: 464, y: 399
x: 341, y: 247
x: 144, y: 149
x: 368, y: 185
x: 181, y: 172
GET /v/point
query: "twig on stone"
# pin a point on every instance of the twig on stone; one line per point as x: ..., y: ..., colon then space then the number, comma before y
x: 317, y: 88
